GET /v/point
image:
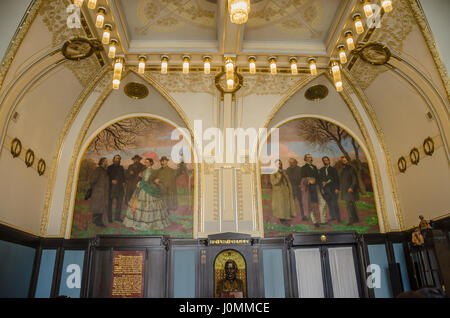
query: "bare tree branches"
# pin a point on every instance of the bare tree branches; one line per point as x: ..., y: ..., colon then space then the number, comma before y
x: 122, y: 134
x: 320, y: 132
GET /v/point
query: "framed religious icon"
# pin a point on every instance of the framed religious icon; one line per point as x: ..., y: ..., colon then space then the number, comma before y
x: 230, y: 276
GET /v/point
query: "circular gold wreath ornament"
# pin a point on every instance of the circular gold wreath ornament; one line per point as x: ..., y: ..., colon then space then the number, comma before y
x: 401, y: 164
x: 428, y: 146
x: 316, y: 92
x: 414, y: 155
x: 16, y: 148
x: 29, y: 158
x: 41, y: 167
x: 374, y: 53
x: 136, y: 90
x: 78, y: 48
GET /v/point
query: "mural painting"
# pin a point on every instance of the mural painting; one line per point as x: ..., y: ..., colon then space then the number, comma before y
x: 129, y: 184
x: 323, y: 182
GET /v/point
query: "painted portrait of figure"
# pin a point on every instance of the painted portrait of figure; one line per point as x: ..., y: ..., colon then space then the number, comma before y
x: 322, y: 182
x: 129, y: 184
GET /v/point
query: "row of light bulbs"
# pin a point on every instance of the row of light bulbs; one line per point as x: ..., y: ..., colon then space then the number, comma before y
x: 229, y: 65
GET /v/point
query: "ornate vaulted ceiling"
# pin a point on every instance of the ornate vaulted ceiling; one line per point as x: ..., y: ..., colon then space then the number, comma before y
x: 275, y: 27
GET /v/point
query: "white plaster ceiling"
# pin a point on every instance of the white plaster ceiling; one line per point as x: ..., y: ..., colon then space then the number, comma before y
x: 299, y: 27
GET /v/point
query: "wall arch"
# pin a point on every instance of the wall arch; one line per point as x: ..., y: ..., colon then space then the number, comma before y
x: 360, y: 142
x: 56, y: 220
x: 360, y: 121
x: 90, y: 138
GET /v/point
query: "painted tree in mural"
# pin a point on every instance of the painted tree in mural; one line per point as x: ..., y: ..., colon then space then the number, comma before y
x: 320, y: 132
x: 123, y: 134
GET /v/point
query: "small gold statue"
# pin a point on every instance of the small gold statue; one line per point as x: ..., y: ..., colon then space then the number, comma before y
x: 417, y: 238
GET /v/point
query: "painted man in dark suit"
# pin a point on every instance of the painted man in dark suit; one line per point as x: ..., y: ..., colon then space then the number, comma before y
x: 98, y: 202
x: 116, y: 174
x: 132, y: 176
x: 294, y: 174
x: 329, y: 185
x: 349, y: 190
x: 308, y: 183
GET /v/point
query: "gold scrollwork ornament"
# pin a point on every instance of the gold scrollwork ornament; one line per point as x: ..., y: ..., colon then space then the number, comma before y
x: 16, y: 148
x: 401, y: 164
x: 29, y: 158
x: 414, y: 155
x: 41, y: 167
x: 428, y: 146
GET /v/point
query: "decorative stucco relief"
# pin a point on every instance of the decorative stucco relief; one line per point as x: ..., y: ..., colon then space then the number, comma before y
x: 194, y: 82
x: 54, y: 16
x: 395, y: 27
x: 268, y: 84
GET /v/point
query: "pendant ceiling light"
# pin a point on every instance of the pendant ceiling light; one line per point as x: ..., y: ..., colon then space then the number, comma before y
x: 207, y: 64
x: 141, y: 68
x: 112, y: 48
x: 359, y: 27
x: 186, y: 60
x: 294, y: 69
x: 387, y: 5
x: 100, y: 17
x: 239, y: 10
x: 252, y: 64
x: 164, y: 64
x: 92, y: 4
x: 312, y: 66
x: 273, y: 65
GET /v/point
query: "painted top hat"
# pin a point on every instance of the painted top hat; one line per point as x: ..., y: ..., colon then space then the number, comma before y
x: 164, y: 158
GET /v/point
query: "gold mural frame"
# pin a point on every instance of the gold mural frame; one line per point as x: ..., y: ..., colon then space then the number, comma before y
x: 346, y: 98
x: 296, y: 117
x: 380, y: 135
x: 98, y: 132
x: 95, y: 108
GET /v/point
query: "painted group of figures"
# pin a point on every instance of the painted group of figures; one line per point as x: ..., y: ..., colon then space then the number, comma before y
x: 149, y: 194
x: 314, y: 188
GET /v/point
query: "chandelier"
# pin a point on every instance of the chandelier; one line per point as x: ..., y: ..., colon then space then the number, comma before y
x: 239, y: 10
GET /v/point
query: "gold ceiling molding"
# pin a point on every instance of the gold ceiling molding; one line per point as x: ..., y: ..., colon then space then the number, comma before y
x: 18, y: 38
x: 268, y: 84
x: 431, y: 43
x: 381, y: 138
x: 395, y: 27
x: 99, y: 79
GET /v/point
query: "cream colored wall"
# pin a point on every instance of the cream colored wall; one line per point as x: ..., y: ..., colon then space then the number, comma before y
x: 332, y: 107
x: 13, y: 11
x: 401, y: 113
x: 437, y: 12
x: 42, y: 111
x: 118, y: 105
